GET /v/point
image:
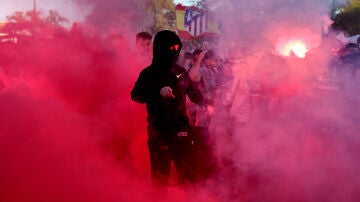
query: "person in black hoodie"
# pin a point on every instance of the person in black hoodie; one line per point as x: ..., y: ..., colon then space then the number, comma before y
x: 163, y: 86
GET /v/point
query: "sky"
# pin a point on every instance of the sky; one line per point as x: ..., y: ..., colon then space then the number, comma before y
x: 68, y: 8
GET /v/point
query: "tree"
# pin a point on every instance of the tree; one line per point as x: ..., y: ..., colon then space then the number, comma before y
x: 54, y: 18
x: 347, y: 17
x: 27, y: 16
x: 17, y: 16
x: 33, y: 23
x: 353, y: 5
x: 161, y: 13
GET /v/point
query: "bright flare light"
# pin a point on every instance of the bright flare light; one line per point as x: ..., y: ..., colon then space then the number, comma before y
x: 297, y: 48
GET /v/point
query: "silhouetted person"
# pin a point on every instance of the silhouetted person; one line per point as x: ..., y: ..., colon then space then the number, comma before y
x: 163, y: 87
x: 143, y: 47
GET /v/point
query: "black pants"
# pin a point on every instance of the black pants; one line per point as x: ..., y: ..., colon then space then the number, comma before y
x: 163, y: 152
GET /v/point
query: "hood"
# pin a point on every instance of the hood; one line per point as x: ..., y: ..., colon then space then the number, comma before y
x: 166, y: 49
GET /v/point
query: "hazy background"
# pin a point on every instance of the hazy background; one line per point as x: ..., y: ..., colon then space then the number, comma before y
x: 69, y: 131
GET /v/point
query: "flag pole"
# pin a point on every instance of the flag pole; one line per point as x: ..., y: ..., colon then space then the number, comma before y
x: 34, y: 8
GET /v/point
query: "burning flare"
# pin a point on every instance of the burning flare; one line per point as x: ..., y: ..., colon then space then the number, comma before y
x: 294, y: 47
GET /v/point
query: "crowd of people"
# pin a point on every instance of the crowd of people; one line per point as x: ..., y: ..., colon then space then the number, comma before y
x: 198, y: 101
x: 191, y: 99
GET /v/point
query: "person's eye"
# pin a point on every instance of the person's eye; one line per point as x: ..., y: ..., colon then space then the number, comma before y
x: 175, y: 47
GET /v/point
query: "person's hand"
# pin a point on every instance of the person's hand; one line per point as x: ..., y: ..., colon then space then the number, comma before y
x: 167, y: 92
x: 202, y: 54
x: 205, y: 46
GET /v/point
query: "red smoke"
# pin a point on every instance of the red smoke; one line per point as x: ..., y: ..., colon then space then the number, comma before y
x: 69, y: 131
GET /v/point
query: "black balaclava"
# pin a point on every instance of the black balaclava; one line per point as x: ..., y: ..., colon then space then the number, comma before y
x: 166, y: 49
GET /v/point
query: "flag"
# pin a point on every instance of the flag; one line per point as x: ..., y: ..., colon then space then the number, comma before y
x: 192, y: 22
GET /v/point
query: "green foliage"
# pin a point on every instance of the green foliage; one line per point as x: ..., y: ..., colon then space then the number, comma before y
x: 352, y: 6
x: 349, y: 18
x: 17, y: 16
x: 33, y: 24
x: 160, y: 15
x: 52, y: 18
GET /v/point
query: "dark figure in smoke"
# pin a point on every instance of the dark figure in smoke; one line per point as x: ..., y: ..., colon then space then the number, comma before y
x: 143, y: 46
x: 163, y: 86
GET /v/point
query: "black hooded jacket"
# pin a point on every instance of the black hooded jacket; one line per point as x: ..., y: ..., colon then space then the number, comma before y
x: 164, y: 112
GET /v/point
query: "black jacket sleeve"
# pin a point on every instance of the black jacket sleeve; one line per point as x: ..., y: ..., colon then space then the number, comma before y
x: 140, y: 92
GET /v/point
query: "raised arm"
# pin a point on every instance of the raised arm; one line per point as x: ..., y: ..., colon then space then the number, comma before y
x: 194, y: 72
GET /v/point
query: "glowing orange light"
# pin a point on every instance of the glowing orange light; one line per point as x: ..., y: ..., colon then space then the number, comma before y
x: 175, y: 47
x: 296, y: 47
